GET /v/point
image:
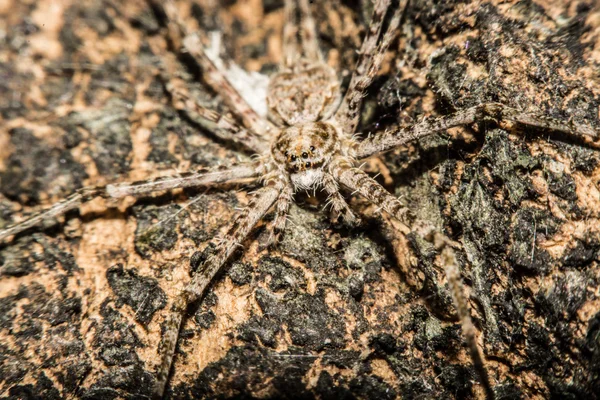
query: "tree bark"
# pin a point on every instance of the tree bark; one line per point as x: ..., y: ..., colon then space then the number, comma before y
x: 333, y: 311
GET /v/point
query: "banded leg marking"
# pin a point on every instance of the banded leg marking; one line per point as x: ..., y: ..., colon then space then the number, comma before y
x: 338, y: 204
x: 372, y: 52
x: 120, y: 190
x: 220, y: 125
x: 358, y: 181
x: 392, y: 138
x: 220, y: 251
x: 211, y: 75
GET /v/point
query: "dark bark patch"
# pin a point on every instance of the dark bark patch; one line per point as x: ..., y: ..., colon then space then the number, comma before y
x: 141, y: 293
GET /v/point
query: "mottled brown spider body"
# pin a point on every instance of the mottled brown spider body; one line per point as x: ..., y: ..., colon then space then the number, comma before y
x: 317, y: 101
x: 304, y: 151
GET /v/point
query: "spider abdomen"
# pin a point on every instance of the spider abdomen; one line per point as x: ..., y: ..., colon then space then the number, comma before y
x: 318, y: 99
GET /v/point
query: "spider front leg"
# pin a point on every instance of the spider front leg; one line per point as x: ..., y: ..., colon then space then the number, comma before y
x: 464, y: 314
x: 215, y: 256
x: 358, y: 181
x: 338, y: 204
x: 444, y: 246
x: 355, y: 179
x: 395, y: 137
x: 120, y: 190
x: 282, y: 206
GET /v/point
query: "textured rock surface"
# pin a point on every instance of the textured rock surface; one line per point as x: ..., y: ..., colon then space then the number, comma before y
x: 332, y: 312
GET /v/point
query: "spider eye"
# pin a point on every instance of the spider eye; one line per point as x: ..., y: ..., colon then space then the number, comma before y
x: 312, y: 148
x: 286, y: 153
x: 307, y: 165
x: 305, y: 155
x: 293, y: 157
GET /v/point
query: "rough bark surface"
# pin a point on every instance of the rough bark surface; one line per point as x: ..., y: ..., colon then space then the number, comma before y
x: 332, y: 312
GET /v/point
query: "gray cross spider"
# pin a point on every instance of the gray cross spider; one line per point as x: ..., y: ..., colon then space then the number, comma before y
x: 307, y: 142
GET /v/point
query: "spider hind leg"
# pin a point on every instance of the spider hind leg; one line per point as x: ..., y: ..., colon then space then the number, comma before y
x: 300, y: 40
x: 371, y: 55
x: 182, y: 40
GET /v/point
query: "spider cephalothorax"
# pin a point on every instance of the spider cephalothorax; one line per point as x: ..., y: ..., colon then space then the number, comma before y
x: 305, y: 150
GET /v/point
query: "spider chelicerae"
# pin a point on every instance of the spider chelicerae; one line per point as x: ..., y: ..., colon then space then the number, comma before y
x: 306, y: 143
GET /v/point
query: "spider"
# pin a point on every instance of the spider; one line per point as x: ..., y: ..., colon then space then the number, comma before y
x: 307, y: 142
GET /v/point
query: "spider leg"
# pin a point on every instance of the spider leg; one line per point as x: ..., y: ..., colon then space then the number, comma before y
x: 220, y: 125
x: 124, y: 189
x: 308, y: 34
x: 299, y: 35
x: 291, y: 44
x: 345, y: 173
x: 218, y: 252
x: 356, y: 179
x: 395, y: 137
x: 214, y: 78
x: 338, y: 204
x: 462, y: 307
x: 282, y: 207
x: 370, y: 58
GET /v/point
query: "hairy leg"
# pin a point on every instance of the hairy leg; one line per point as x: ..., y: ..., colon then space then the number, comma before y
x: 462, y: 307
x: 369, y: 62
x: 215, y: 256
x: 220, y: 125
x: 214, y: 78
x: 299, y: 35
x: 119, y: 190
x: 338, y: 204
x: 308, y: 34
x: 282, y: 207
x: 392, y: 138
x: 358, y: 181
